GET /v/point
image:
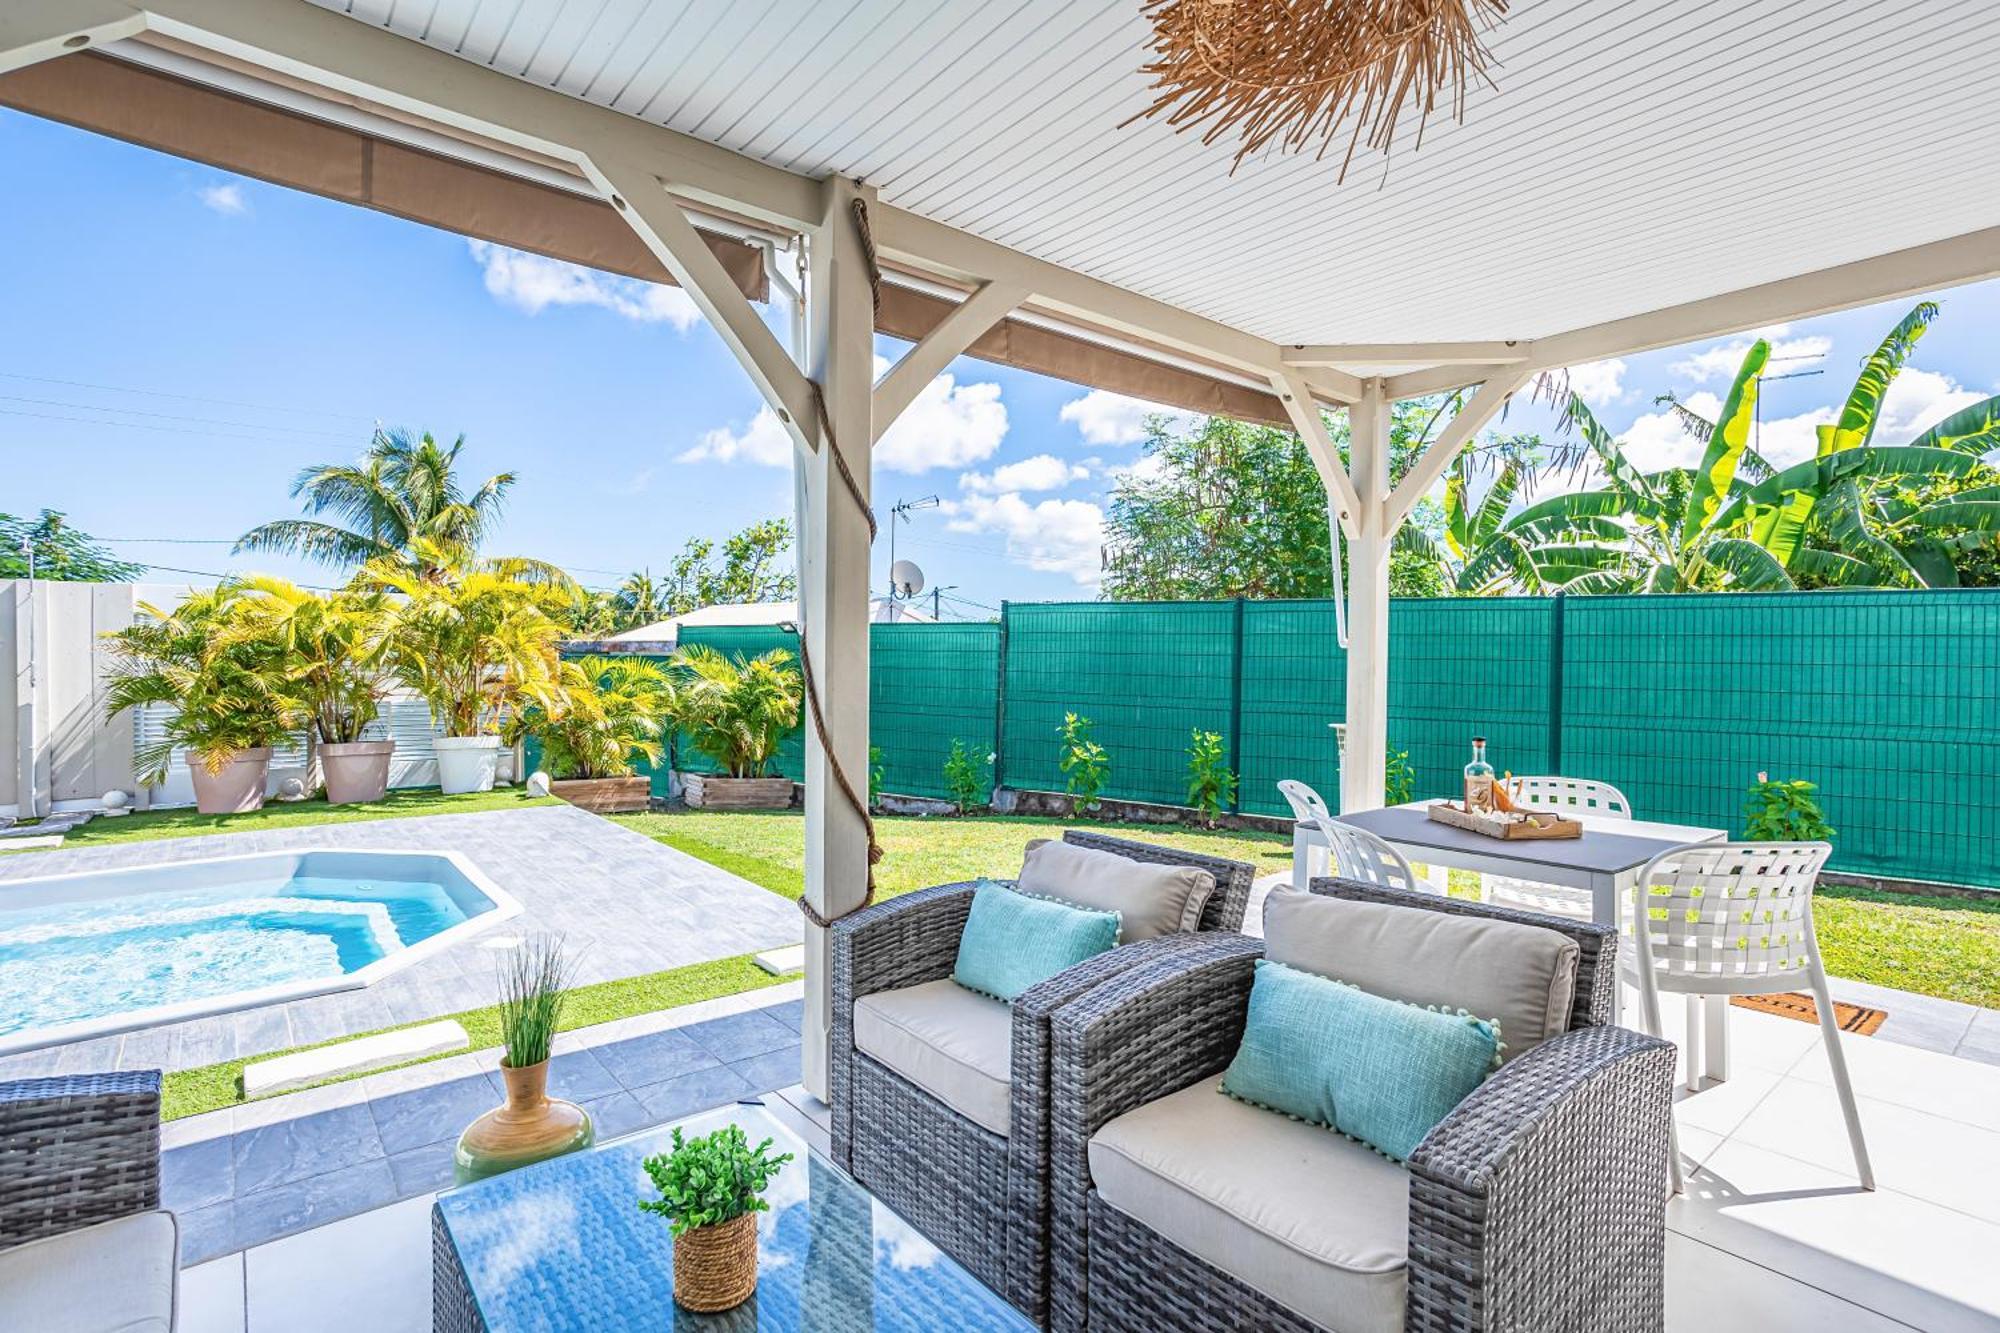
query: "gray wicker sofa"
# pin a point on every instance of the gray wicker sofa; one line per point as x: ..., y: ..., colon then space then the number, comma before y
x: 1538, y: 1204
x: 973, y: 1176
x: 84, y: 1244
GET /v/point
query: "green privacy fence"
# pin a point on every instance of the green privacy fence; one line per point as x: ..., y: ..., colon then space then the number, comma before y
x: 1890, y: 701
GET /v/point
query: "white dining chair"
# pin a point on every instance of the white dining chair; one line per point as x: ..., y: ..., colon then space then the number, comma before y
x: 1569, y: 796
x: 1359, y: 855
x: 1716, y: 919
x: 1305, y: 802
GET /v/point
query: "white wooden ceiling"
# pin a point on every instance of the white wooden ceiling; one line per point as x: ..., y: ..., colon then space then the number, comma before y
x: 1636, y: 153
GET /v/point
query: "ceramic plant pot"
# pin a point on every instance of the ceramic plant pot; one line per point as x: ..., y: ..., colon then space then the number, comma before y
x: 355, y: 771
x: 237, y: 788
x: 531, y: 1127
x: 466, y: 763
x: 715, y: 1268
x: 707, y: 792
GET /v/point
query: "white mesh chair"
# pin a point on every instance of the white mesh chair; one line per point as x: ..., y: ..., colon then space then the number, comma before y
x: 1555, y: 796
x: 1716, y: 919
x: 1359, y: 855
x: 1569, y: 796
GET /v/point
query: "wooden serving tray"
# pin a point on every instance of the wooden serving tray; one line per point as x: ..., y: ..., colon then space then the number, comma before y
x: 1499, y: 826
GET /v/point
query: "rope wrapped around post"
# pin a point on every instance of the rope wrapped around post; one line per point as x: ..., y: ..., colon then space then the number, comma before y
x: 855, y: 800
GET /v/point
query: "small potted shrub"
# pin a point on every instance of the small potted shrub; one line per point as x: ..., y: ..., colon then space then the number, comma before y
x: 225, y: 685
x: 331, y: 648
x: 737, y: 712
x: 712, y: 1189
x: 1784, y: 810
x: 965, y: 777
x: 1211, y: 783
x: 531, y: 1126
x: 610, y: 714
x: 1085, y: 764
x: 478, y: 645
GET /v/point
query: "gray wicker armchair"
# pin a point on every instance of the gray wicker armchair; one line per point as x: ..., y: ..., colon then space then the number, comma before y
x: 979, y: 1191
x: 1538, y: 1204
x: 80, y: 1202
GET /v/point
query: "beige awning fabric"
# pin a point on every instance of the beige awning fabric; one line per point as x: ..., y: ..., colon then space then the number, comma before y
x: 144, y: 106
x: 223, y: 129
x: 911, y: 314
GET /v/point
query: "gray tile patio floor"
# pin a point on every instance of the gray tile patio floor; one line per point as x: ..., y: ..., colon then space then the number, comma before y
x: 246, y: 1175
x: 626, y: 905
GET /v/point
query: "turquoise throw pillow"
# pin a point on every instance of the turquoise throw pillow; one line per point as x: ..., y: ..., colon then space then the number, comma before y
x: 1377, y: 1070
x: 1012, y: 941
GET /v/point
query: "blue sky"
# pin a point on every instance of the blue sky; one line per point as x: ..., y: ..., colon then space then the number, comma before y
x: 177, y: 343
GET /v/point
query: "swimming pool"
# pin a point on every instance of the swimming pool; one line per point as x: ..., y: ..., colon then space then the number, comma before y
x: 109, y: 950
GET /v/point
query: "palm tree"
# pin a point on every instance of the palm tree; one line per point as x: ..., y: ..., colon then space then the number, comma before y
x: 330, y: 646
x: 738, y: 712
x: 638, y: 600
x: 611, y: 714
x: 402, y: 499
x: 477, y: 643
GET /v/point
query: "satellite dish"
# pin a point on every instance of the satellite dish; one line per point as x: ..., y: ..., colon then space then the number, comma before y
x: 905, y: 579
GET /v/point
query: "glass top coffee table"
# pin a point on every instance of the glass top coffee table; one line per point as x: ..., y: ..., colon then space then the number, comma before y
x: 562, y: 1246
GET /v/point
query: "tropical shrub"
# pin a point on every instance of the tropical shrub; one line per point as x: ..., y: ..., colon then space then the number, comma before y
x: 1781, y: 810
x: 1211, y: 785
x: 965, y: 777
x: 477, y: 644
x: 874, y: 776
x: 610, y: 713
x: 227, y: 685
x: 1085, y: 763
x: 714, y: 1179
x: 329, y: 648
x: 1399, y: 776
x: 738, y: 711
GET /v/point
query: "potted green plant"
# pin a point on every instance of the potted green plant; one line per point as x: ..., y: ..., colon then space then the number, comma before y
x: 530, y: 1126
x: 225, y: 685
x: 712, y: 1188
x: 478, y: 644
x: 737, y: 712
x: 1784, y: 810
x: 609, y: 716
x: 331, y: 648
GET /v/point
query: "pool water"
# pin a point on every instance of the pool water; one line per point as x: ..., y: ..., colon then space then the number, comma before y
x: 194, y: 937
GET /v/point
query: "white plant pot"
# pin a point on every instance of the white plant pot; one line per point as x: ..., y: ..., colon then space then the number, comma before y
x: 237, y: 788
x: 466, y: 763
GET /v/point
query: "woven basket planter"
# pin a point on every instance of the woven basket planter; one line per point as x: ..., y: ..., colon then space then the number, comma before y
x: 715, y: 1268
x: 707, y: 792
x: 605, y: 796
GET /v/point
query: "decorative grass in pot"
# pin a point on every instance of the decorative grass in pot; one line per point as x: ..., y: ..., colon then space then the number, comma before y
x: 532, y: 1126
x: 713, y: 1188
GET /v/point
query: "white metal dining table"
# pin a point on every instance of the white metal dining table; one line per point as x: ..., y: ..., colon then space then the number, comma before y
x: 1605, y: 861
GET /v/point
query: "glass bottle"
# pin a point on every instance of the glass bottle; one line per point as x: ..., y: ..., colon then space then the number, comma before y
x: 1479, y: 779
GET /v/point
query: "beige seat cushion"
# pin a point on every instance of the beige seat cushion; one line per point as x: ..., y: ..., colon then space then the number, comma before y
x: 952, y: 1043
x: 1522, y: 977
x: 1151, y: 900
x: 1316, y: 1222
x: 115, y: 1277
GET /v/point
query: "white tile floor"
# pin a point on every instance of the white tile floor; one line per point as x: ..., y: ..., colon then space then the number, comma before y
x: 1773, y: 1234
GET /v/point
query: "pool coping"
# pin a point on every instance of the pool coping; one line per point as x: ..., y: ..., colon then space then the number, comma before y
x: 505, y: 906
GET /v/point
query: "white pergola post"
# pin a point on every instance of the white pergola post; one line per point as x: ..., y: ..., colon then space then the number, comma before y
x: 833, y: 565
x: 1363, y: 772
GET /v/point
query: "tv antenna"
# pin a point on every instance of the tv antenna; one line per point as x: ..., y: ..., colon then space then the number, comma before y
x: 901, y: 510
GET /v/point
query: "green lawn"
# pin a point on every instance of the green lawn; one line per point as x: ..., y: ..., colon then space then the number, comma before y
x: 211, y: 1087
x: 146, y: 825
x: 1947, y: 947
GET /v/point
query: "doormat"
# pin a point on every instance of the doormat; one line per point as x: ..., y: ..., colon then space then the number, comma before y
x: 1856, y: 1018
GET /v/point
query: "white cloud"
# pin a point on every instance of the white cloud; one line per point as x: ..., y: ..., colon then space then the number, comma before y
x: 1598, y: 382
x: 1918, y: 400
x: 1658, y: 440
x: 1111, y: 418
x: 1043, y: 472
x: 949, y: 425
x: 1722, y: 360
x: 535, y: 282
x: 1054, y: 536
x: 226, y: 199
x: 765, y: 442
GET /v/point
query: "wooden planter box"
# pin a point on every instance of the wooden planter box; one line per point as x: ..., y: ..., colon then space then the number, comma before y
x: 605, y: 796
x: 707, y: 792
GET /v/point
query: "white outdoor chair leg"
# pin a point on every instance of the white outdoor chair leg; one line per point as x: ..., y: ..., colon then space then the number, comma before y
x: 1301, y: 863
x: 1649, y: 1007
x: 1691, y: 1043
x: 1715, y: 1037
x: 1837, y: 1058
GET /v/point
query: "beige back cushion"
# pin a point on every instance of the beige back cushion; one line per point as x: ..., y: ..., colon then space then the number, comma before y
x: 1151, y: 900
x: 1522, y: 977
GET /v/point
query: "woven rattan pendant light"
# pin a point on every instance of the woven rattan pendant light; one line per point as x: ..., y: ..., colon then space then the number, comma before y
x: 1295, y: 72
